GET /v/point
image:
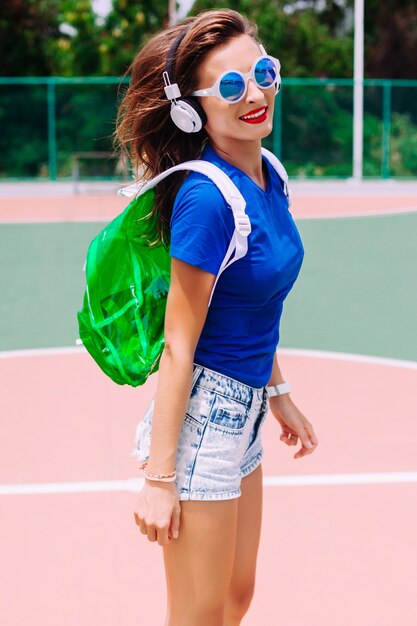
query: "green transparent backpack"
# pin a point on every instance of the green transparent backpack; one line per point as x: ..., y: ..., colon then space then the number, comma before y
x: 121, y: 323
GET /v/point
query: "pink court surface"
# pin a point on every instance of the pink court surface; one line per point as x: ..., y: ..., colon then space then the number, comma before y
x: 56, y: 202
x: 338, y: 544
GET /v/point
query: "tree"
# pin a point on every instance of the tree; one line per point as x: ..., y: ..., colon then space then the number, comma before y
x: 48, y: 37
x: 76, y: 51
x: 125, y: 29
x: 308, y: 42
x: 317, y: 35
x: 26, y: 29
x: 391, y: 39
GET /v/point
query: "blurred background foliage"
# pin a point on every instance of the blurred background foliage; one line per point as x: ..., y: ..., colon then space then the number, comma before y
x: 313, y: 38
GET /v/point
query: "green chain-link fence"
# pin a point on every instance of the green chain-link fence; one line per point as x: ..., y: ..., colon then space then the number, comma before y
x: 58, y: 128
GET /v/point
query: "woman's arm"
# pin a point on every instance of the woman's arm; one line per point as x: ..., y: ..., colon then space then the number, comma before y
x: 276, y: 376
x: 292, y: 421
x: 185, y: 315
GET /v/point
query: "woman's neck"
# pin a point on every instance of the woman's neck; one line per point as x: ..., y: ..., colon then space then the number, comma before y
x: 245, y: 155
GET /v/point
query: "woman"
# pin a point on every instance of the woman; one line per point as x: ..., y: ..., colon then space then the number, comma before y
x: 211, y: 399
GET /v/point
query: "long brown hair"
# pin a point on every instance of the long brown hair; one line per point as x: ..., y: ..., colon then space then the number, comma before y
x: 145, y: 132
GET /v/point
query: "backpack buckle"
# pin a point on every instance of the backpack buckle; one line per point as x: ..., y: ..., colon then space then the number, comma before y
x: 130, y: 190
x: 242, y: 221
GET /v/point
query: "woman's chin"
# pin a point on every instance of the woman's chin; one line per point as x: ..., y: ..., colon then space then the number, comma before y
x: 259, y: 132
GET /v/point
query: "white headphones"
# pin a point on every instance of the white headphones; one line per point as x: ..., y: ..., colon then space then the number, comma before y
x: 186, y: 113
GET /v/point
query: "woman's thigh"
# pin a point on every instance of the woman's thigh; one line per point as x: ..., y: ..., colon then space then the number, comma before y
x: 199, y: 564
x: 248, y: 532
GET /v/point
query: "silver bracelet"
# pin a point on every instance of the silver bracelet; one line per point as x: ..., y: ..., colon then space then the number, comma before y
x: 164, y: 478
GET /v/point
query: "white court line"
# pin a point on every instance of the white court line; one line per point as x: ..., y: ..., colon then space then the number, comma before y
x: 298, y: 352
x: 377, y: 213
x: 56, y: 220
x: 135, y: 484
x: 36, y: 352
x: 348, y: 356
x: 106, y: 219
x: 374, y: 478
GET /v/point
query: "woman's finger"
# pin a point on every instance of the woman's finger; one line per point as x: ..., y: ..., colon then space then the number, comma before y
x: 305, y: 438
x: 139, y: 521
x: 303, y: 451
x: 311, y: 434
x: 289, y: 438
x: 151, y: 532
x: 175, y: 522
x: 163, y: 535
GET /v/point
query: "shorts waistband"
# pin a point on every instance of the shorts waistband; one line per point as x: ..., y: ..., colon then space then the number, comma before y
x: 224, y: 385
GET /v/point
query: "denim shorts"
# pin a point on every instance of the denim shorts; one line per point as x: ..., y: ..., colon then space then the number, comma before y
x: 220, y: 436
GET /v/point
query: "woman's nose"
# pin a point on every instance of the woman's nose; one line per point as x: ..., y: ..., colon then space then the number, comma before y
x: 253, y: 93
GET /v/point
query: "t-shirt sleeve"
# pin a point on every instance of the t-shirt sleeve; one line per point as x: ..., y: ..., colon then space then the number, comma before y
x: 201, y: 226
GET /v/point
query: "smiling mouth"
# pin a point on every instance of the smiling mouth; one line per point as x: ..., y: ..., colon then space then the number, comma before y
x: 256, y: 115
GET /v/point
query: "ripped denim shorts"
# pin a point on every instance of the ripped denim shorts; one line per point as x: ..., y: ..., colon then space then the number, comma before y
x: 220, y: 436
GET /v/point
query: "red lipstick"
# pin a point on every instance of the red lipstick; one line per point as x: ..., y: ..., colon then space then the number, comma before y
x: 255, y: 120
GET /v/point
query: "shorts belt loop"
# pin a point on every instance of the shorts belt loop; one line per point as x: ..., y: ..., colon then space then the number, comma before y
x: 196, y: 372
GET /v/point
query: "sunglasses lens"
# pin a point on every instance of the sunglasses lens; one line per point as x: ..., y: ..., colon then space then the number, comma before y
x: 265, y: 72
x: 232, y: 86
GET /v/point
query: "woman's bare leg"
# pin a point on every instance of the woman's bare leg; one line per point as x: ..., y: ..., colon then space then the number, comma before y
x: 249, y: 521
x: 199, y: 564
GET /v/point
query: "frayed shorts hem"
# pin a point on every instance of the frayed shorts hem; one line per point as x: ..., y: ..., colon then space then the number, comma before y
x: 204, y: 495
x: 220, y: 438
x: 253, y: 464
x: 223, y: 495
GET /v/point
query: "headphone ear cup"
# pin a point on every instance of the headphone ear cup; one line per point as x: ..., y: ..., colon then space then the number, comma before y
x: 188, y: 115
x: 194, y: 103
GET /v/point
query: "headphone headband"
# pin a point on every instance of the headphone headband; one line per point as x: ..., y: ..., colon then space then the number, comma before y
x: 170, y: 62
x: 186, y: 113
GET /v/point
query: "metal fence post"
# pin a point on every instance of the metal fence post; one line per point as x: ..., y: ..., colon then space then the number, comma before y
x: 358, y: 62
x: 386, y: 129
x: 52, y: 156
x: 385, y: 118
x: 277, y: 128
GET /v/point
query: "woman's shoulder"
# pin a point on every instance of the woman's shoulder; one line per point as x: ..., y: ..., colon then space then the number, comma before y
x: 201, y: 192
x: 201, y: 224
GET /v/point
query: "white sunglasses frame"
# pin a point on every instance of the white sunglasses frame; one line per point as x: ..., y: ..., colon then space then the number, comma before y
x: 214, y: 90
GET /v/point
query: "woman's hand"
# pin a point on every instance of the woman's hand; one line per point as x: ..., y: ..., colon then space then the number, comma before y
x: 158, y: 511
x: 294, y: 425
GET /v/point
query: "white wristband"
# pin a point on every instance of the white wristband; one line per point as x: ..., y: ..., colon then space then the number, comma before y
x: 278, y: 390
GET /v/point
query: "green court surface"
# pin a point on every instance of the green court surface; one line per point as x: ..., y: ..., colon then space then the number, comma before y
x: 357, y: 290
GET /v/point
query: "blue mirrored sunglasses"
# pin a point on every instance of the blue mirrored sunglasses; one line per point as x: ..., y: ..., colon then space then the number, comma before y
x: 231, y: 86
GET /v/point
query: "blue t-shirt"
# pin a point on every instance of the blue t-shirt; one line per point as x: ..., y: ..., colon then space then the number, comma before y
x: 241, y: 331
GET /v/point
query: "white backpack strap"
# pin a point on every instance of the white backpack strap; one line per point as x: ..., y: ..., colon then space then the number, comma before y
x: 239, y: 246
x: 239, y: 243
x: 281, y: 171
x: 219, y: 178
